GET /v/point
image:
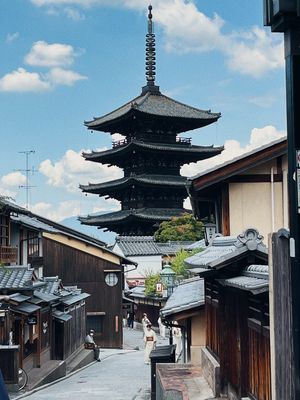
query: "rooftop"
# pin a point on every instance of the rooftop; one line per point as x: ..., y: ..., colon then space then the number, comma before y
x: 16, y: 277
x: 146, y: 245
x: 224, y: 249
x: 156, y: 214
x: 159, y: 180
x: 153, y: 105
x: 189, y: 294
x: 189, y: 153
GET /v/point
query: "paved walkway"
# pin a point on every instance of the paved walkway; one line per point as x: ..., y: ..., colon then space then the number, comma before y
x: 121, y: 375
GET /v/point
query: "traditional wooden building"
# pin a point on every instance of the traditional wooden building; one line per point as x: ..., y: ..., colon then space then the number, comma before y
x: 236, y: 359
x: 186, y: 306
x: 249, y: 190
x: 151, y: 154
x: 31, y: 310
x: 79, y: 260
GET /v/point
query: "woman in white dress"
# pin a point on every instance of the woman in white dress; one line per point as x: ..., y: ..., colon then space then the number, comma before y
x: 162, y: 328
x: 177, y: 339
x: 150, y: 342
x: 145, y: 321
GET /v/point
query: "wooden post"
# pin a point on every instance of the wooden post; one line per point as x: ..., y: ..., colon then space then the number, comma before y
x: 281, y: 321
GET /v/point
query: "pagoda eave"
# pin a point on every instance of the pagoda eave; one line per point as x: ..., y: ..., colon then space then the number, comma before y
x: 123, y: 124
x: 144, y: 214
x: 184, y: 154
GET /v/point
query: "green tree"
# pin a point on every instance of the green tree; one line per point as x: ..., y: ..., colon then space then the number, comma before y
x: 182, y: 228
x: 178, y: 264
x: 150, y: 284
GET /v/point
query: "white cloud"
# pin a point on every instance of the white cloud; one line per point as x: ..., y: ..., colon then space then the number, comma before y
x: 11, y: 37
x: 43, y: 54
x: 57, y: 212
x: 72, y: 169
x: 74, y: 14
x: 73, y: 208
x: 59, y: 76
x: 255, y: 53
x: 23, y: 81
x: 13, y: 179
x: 233, y: 148
x: 186, y: 29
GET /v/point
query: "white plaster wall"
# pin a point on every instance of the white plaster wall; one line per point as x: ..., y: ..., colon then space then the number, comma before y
x: 250, y: 206
x: 146, y: 264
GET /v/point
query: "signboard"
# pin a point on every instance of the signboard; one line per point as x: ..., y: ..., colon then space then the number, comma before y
x: 32, y: 320
x: 159, y: 287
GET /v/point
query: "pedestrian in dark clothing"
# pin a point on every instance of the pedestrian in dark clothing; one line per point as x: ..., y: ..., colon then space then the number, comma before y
x: 3, y: 390
x: 130, y: 319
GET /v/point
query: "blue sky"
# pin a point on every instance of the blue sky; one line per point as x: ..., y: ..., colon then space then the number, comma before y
x: 65, y: 61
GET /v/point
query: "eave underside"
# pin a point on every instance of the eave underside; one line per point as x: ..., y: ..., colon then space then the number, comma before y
x: 184, y: 154
x: 150, y: 181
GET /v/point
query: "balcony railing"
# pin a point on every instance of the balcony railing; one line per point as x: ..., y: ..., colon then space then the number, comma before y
x: 118, y: 143
x: 124, y: 142
x: 183, y: 140
x: 8, y: 254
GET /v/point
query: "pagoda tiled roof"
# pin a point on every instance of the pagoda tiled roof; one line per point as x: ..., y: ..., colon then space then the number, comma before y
x: 152, y: 214
x: 154, y: 104
x: 165, y: 180
x: 188, y: 152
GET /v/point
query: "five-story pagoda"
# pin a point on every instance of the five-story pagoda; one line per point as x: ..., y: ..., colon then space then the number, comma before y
x: 152, y: 189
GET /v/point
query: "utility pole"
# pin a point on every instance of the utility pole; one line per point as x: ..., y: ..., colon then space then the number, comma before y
x: 27, y: 170
x: 284, y: 16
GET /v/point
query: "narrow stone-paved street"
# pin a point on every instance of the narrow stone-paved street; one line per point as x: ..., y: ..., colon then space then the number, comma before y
x: 121, y: 375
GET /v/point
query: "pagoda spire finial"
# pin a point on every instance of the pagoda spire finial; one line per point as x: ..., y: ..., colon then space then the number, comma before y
x: 150, y: 55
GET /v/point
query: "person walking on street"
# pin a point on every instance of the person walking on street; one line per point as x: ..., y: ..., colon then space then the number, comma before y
x: 130, y: 319
x: 162, y: 328
x: 145, y: 322
x: 177, y: 338
x: 150, y: 342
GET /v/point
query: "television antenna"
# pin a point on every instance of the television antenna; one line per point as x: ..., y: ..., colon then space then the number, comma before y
x: 27, y: 170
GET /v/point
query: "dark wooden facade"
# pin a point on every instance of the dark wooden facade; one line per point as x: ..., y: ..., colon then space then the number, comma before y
x: 238, y: 337
x: 104, y: 306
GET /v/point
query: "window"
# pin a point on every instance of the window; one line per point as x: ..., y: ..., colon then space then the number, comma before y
x: 111, y: 279
x: 4, y: 230
x: 33, y: 244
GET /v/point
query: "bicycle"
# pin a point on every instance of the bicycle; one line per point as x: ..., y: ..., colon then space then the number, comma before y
x: 23, y: 378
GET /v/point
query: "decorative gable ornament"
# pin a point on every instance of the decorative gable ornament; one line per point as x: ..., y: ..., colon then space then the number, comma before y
x: 251, y: 238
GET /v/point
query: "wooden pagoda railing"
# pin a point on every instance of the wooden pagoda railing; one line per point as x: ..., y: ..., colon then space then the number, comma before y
x: 124, y: 142
x: 8, y: 254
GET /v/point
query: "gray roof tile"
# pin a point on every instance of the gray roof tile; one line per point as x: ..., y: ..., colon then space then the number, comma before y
x: 254, y: 278
x: 189, y: 294
x: 16, y: 277
x: 225, y: 248
x: 156, y: 105
x: 158, y: 214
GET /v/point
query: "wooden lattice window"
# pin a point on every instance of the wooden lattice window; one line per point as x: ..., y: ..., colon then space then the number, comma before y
x: 33, y: 244
x: 4, y: 230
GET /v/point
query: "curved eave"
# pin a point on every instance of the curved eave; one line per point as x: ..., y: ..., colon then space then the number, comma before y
x: 186, y: 153
x: 153, y: 106
x: 118, y: 184
x: 131, y: 215
x: 124, y: 123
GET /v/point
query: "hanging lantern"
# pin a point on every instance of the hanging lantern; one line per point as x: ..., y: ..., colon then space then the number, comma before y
x: 210, y: 231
